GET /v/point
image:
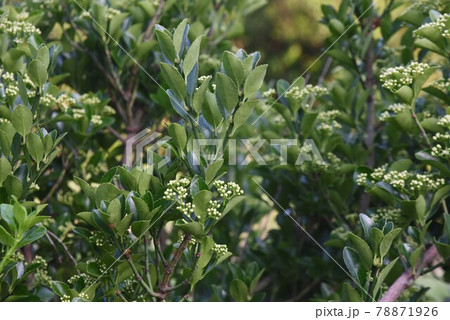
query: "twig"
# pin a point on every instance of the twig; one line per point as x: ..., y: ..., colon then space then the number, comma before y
x: 60, y: 178
x: 64, y: 247
x: 139, y: 278
x: 407, y: 278
x: 173, y: 263
x: 119, y: 293
x: 116, y: 134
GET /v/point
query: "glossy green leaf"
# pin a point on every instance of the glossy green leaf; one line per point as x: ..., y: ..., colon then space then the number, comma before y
x: 38, y: 73
x: 386, y: 243
x: 226, y: 92
x: 166, y: 45
x: 233, y: 67
x: 239, y: 290
x: 22, y: 120
x: 35, y: 147
x: 178, y: 134
x: 254, y: 81
x: 191, y: 57
x: 363, y: 249
x: 174, y: 80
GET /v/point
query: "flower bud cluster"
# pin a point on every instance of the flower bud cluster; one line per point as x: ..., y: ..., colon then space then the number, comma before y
x: 220, y: 249
x: 396, y: 77
x: 228, y: 190
x: 177, y: 189
x: 308, y: 90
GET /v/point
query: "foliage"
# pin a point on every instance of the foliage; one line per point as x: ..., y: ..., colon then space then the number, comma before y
x: 362, y: 181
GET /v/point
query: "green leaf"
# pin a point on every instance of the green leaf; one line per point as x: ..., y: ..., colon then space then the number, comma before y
x: 353, y: 263
x: 382, y: 276
x: 166, y: 45
x: 351, y: 293
x: 211, y: 110
x: 363, y: 250
x: 429, y: 45
x: 5, y: 169
x: 32, y: 235
x: 142, y: 210
x: 178, y: 134
x: 127, y: 180
x: 191, y: 57
x: 20, y: 213
x: 206, y: 252
x: 366, y: 223
x: 12, y: 60
x: 6, y: 212
x: 114, y: 211
x: 61, y: 289
x: 231, y: 204
x: 414, y: 209
x: 87, y: 217
x: 6, y: 238
x: 38, y: 73
x: 199, y: 95
x: 87, y: 189
x: 233, y: 67
x: 433, y: 161
x: 194, y: 228
x: 22, y: 120
x: 406, y: 94
x: 5, y: 144
x: 22, y: 90
x: 35, y: 147
x: 106, y: 192
x: 174, y: 80
x: 415, y: 256
x: 43, y: 56
x: 226, y: 92
x: 239, y: 290
x: 180, y: 36
x: 243, y: 113
x: 201, y: 201
x: 254, y: 81
x: 140, y: 227
x: 13, y: 186
x: 211, y: 171
x: 124, y: 224
x: 443, y: 249
x: 386, y: 243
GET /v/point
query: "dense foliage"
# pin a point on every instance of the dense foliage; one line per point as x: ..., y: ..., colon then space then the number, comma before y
x: 334, y: 190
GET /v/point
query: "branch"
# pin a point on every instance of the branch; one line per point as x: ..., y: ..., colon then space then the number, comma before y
x: 139, y: 277
x: 171, y: 267
x: 66, y: 250
x: 407, y: 278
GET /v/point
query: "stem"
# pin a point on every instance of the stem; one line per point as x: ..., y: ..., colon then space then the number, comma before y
x: 66, y: 250
x: 180, y: 285
x: 422, y: 131
x: 140, y: 280
x: 407, y: 278
x: 176, y: 258
x: 119, y: 293
x: 147, y: 269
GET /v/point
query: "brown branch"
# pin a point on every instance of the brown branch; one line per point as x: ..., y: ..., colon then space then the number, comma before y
x: 173, y: 263
x: 116, y: 134
x: 407, y: 278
